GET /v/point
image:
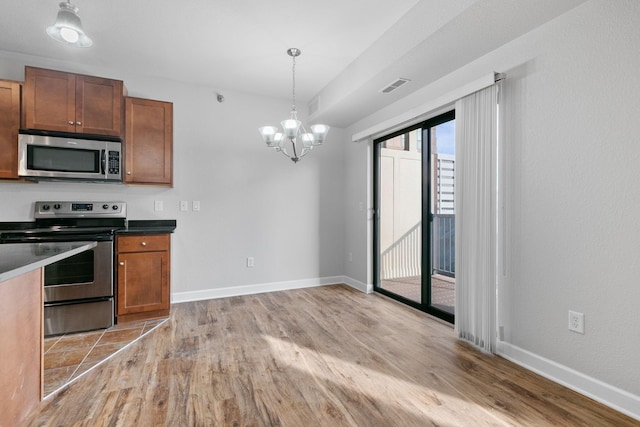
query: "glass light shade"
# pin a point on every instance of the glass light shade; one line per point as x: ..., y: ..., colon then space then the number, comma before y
x: 319, y: 133
x: 307, y: 140
x: 290, y: 127
x: 278, y: 139
x: 268, y: 134
x: 68, y: 28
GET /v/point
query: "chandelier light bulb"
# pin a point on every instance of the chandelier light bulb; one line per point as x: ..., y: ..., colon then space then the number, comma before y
x: 69, y: 35
x: 268, y: 134
x: 319, y: 133
x: 307, y: 140
x: 291, y: 127
x: 278, y: 139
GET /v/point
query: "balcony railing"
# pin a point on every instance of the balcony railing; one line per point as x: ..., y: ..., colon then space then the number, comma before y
x: 443, y: 244
x: 403, y: 258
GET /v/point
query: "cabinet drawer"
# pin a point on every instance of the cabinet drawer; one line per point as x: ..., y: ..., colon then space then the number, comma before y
x: 143, y: 243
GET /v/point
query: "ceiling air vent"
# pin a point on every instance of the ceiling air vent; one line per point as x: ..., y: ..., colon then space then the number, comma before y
x: 394, y: 85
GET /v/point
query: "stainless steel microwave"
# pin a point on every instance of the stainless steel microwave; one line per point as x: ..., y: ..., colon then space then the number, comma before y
x: 53, y: 157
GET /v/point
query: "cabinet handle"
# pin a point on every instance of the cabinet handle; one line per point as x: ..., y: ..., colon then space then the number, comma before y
x: 79, y: 123
x: 143, y: 243
x: 121, y: 263
x: 70, y: 122
x: 128, y: 172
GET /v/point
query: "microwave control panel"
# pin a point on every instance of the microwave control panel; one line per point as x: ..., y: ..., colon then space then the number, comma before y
x: 114, y: 162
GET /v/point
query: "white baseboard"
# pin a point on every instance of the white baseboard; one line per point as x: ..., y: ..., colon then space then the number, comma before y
x: 258, y: 288
x: 602, y: 392
x: 356, y: 284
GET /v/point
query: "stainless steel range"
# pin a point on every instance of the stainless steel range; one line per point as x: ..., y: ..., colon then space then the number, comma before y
x: 78, y: 291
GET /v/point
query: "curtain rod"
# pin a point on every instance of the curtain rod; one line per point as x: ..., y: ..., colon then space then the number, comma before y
x: 422, y: 112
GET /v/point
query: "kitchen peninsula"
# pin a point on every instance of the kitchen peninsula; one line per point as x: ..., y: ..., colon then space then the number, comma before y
x: 21, y: 309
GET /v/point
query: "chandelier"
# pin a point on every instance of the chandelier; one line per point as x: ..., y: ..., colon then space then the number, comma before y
x: 302, y: 142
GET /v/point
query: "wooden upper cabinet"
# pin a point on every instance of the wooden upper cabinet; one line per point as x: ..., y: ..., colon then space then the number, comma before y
x: 9, y: 125
x: 99, y: 106
x: 148, y: 142
x: 66, y: 102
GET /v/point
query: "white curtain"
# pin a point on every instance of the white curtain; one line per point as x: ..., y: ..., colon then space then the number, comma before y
x: 476, y: 193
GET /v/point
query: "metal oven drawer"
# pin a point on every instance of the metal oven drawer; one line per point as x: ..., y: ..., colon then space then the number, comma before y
x: 78, y: 316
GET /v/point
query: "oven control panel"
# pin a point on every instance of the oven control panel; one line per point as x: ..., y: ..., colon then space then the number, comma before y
x: 54, y: 209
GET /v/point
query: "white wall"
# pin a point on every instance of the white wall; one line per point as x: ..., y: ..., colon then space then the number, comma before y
x: 254, y: 202
x: 574, y: 195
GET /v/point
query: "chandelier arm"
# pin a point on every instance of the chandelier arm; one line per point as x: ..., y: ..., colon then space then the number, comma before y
x: 283, y: 151
x: 305, y: 151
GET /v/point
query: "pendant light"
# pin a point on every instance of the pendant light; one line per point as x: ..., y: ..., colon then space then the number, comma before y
x: 68, y: 28
x: 292, y: 129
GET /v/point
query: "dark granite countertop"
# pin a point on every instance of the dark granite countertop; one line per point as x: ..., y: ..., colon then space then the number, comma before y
x: 133, y: 226
x: 17, y: 259
x: 149, y: 226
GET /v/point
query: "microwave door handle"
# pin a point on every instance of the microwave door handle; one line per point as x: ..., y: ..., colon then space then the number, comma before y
x: 103, y: 162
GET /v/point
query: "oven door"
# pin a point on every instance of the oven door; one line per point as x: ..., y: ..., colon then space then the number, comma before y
x: 88, y: 274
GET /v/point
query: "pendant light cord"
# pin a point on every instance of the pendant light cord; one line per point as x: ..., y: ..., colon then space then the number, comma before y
x: 293, y: 107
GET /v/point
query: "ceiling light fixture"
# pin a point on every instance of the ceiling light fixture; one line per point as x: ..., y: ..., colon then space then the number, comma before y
x: 302, y: 142
x: 68, y: 28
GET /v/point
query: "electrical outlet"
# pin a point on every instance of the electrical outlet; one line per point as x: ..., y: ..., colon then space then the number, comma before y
x: 158, y: 206
x: 250, y: 262
x: 576, y: 322
x: 184, y: 205
x: 196, y: 205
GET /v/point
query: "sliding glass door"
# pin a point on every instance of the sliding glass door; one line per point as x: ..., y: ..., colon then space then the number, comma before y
x: 415, y: 216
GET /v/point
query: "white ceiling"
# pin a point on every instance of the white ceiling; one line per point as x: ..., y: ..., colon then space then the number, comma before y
x: 241, y: 45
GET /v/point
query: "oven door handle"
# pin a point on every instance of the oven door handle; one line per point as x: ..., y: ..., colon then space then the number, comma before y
x: 77, y: 301
x: 55, y: 238
x: 103, y: 162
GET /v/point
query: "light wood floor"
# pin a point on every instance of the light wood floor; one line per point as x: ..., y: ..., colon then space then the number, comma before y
x: 328, y: 356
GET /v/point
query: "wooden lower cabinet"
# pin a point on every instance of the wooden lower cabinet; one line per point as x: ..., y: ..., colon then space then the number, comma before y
x: 143, y: 277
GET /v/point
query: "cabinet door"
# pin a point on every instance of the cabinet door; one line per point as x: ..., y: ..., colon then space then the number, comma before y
x: 99, y: 105
x: 9, y: 124
x: 148, y: 142
x: 49, y: 100
x: 143, y: 282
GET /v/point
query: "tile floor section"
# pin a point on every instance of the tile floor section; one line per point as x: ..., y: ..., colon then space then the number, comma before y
x: 66, y: 357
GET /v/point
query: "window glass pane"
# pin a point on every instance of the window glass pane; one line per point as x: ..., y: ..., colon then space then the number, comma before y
x: 400, y: 207
x: 443, y: 150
